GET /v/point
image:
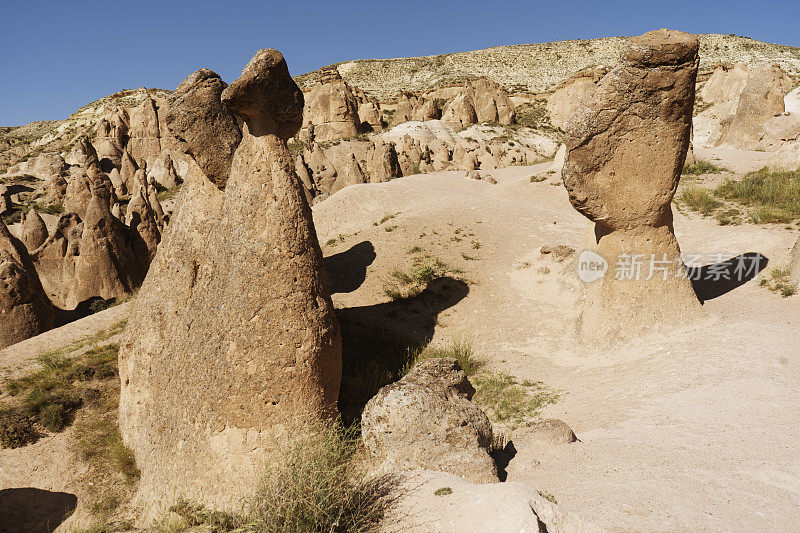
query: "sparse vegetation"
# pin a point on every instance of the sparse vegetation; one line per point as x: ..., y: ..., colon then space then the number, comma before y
x: 538, y: 178
x: 50, y: 209
x: 547, y: 496
x: 778, y: 281
x: 444, y: 491
x: 699, y: 199
x: 701, y: 167
x: 424, y: 270
x: 773, y: 196
x: 414, y: 250
x: 509, y: 402
x: 16, y: 429
x: 460, y: 350
x: 320, y: 487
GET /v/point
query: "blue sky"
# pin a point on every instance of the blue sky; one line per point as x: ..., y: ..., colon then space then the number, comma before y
x: 58, y: 56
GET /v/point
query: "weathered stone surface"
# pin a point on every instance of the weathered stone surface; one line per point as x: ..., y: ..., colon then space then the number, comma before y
x: 332, y: 109
x: 572, y: 94
x: 426, y: 420
x: 142, y: 219
x: 145, y: 133
x: 34, y: 230
x: 266, y: 97
x: 794, y: 263
x: 549, y: 432
x: 25, y: 310
x: 625, y: 152
x: 510, y: 507
x: 55, y: 259
x: 760, y: 101
x: 107, y: 266
x: 204, y: 127
x: 212, y: 365
x: 491, y: 102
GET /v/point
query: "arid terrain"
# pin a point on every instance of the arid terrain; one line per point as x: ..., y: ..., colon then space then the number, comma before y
x: 443, y: 233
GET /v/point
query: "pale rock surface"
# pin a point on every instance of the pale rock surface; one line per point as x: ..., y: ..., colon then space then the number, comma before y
x: 34, y: 230
x: 426, y: 420
x: 331, y: 107
x: 511, y: 507
x: 572, y: 94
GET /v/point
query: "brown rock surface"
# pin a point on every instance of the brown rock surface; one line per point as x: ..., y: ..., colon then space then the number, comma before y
x: 213, y: 364
x: 625, y: 152
x: 25, y: 310
x: 34, y: 230
x: 331, y: 108
x: 205, y: 129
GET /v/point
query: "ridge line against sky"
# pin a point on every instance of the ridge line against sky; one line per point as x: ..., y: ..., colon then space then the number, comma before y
x: 57, y: 57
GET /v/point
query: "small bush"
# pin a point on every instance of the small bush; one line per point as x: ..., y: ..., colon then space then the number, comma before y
x: 444, y: 491
x: 538, y: 178
x: 16, y: 429
x: 774, y: 196
x: 778, y: 281
x: 701, y: 167
x: 698, y: 199
x: 547, y: 496
x: 459, y: 350
x: 507, y: 401
x: 50, y: 209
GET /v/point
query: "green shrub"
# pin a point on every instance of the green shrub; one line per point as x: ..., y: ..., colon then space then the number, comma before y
x: 701, y: 167
x: 698, y: 199
x: 774, y: 196
x: 507, y: 401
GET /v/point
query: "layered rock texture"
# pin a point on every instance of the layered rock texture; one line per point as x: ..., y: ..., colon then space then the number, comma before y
x: 625, y: 151
x: 233, y: 332
x: 426, y: 420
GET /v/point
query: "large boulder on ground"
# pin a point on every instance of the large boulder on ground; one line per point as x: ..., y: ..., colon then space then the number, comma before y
x: 25, y: 310
x: 625, y: 152
x: 206, y: 129
x: 331, y: 108
x: 426, y: 420
x: 233, y: 334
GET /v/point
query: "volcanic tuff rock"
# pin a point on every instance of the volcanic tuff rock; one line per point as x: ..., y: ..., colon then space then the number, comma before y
x: 25, y: 310
x: 212, y: 365
x: 205, y: 128
x: 426, y: 420
x: 625, y: 152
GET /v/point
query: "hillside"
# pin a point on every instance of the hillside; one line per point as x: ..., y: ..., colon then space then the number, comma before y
x: 534, y: 67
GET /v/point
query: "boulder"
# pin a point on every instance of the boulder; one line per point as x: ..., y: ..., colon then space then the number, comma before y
x: 382, y: 161
x: 25, y: 310
x: 34, y: 230
x: 459, y: 112
x: 233, y: 333
x: 625, y: 151
x: 206, y: 129
x: 351, y: 174
x: 426, y: 420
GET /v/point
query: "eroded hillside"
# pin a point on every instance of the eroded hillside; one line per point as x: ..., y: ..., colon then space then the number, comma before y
x: 535, y: 67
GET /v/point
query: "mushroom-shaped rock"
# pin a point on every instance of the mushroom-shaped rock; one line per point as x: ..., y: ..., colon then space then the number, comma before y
x: 207, y: 130
x: 266, y: 97
x: 233, y: 331
x: 426, y: 420
x: 625, y: 152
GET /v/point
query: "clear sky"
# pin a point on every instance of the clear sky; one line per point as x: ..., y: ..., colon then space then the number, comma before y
x: 56, y: 56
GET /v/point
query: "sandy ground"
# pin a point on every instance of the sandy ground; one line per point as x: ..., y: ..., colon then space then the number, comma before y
x: 695, y: 429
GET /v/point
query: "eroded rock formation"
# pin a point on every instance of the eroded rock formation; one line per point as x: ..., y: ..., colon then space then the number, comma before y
x: 233, y: 331
x: 625, y: 152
